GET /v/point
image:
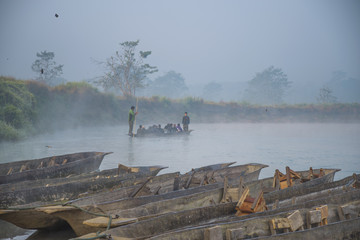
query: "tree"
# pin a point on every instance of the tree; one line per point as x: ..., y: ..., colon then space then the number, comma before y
x: 46, y: 68
x: 345, y: 88
x: 126, y: 71
x: 212, y: 91
x: 171, y: 84
x: 325, y: 96
x: 267, y: 87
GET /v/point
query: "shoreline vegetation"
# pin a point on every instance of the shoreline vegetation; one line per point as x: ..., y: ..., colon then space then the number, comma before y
x: 30, y: 107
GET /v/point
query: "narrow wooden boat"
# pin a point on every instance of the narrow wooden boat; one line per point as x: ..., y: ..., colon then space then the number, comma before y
x: 138, y: 169
x: 50, y: 167
x: 76, y: 212
x: 163, y: 134
x: 213, y: 167
x: 257, y: 225
x: 75, y: 220
x: 221, y: 213
x: 152, y: 209
x: 121, y: 172
x: 75, y: 216
x: 70, y: 188
x: 189, y: 180
x: 51, y: 190
x: 347, y: 229
x: 27, y: 216
x: 186, y: 216
x: 249, y: 172
x: 266, y: 184
x: 151, y: 187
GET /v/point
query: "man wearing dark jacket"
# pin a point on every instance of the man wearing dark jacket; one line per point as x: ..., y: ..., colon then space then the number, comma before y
x: 186, y: 122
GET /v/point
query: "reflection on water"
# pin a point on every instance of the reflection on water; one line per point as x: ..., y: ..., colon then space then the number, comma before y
x: 131, y: 155
x: 277, y: 145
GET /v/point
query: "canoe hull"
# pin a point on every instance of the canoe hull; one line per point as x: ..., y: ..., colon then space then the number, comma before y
x: 66, y: 191
x: 42, y: 220
x: 159, y: 134
x: 249, y: 172
x: 78, y: 163
x: 256, y: 225
x: 348, y: 229
x: 222, y: 212
x: 30, y: 219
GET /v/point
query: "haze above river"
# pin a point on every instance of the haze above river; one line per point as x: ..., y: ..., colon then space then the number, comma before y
x: 299, y: 146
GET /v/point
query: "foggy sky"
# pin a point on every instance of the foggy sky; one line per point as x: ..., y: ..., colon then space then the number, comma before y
x: 205, y: 41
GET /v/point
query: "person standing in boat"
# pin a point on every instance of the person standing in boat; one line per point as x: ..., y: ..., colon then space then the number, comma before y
x: 132, y: 115
x: 186, y: 122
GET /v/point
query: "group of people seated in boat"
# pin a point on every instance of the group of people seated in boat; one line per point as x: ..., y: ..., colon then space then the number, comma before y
x: 170, y: 127
x: 156, y: 129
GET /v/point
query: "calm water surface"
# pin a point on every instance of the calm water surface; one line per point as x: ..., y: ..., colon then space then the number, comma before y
x: 299, y: 146
x: 277, y: 145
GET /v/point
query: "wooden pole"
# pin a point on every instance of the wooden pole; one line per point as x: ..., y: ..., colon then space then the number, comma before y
x: 136, y: 109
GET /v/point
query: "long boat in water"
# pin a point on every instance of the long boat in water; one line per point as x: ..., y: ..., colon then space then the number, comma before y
x: 258, y: 224
x: 346, y: 229
x: 41, y: 191
x: 28, y: 217
x: 267, y: 184
x: 216, y: 214
x: 196, y: 177
x: 163, y: 134
x: 121, y: 172
x: 158, y: 206
x: 20, y: 215
x: 50, y: 167
x: 75, y: 186
x: 75, y: 216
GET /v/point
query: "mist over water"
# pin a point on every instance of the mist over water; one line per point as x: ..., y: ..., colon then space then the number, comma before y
x: 277, y: 145
x: 299, y: 146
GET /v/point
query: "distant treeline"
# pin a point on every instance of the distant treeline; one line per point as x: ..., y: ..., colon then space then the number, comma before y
x: 30, y: 107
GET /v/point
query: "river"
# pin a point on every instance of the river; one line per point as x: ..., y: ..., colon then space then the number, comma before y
x: 296, y: 145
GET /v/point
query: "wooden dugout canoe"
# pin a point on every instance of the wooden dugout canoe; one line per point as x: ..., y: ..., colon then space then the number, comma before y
x: 213, y: 167
x: 138, y: 169
x: 249, y: 172
x: 121, y: 172
x: 50, y: 167
x: 222, y: 212
x: 28, y: 217
x: 25, y: 215
x: 72, y: 190
x: 163, y: 134
x: 184, y: 219
x: 347, y: 229
x: 266, y: 184
x: 90, y: 200
x: 75, y: 222
x: 151, y: 186
x: 153, y: 209
x: 75, y: 217
x: 256, y: 225
x: 61, y: 189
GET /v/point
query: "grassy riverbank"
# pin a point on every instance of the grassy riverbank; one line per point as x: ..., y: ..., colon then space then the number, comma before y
x: 29, y: 107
